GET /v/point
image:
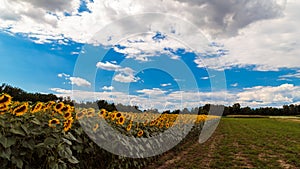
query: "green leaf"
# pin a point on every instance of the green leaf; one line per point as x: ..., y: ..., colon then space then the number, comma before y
x: 73, y: 160
x: 17, y: 161
x: 36, y: 121
x: 28, y: 144
x: 17, y: 131
x: 7, y: 142
x: 6, y: 153
x: 67, y: 141
x: 2, y: 122
x: 65, y: 152
x: 25, y: 129
x: 49, y: 141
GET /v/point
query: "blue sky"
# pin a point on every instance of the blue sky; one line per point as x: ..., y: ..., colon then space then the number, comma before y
x: 87, y: 49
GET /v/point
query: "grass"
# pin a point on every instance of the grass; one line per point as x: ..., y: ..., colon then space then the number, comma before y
x: 242, y: 143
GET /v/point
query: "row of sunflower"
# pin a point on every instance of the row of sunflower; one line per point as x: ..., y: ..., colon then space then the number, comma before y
x: 56, y: 135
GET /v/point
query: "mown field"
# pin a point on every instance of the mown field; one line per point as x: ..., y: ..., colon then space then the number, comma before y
x: 242, y: 143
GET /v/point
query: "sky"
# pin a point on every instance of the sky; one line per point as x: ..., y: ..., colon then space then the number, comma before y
x: 163, y: 54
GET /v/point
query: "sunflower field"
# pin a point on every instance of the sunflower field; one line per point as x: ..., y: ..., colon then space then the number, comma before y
x: 56, y: 135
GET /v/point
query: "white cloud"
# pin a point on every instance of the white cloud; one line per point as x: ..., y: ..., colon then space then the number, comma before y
x: 79, y: 81
x: 125, y: 78
x: 290, y: 75
x: 204, y: 78
x: 107, y: 88
x: 125, y: 75
x: 256, y: 32
x: 61, y: 91
x: 154, y: 91
x: 234, y: 84
x: 63, y: 75
x: 165, y: 84
x: 108, y: 66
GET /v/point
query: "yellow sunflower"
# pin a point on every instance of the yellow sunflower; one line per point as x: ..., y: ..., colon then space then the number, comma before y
x: 49, y: 105
x: 79, y: 115
x: 90, y: 112
x: 113, y: 116
x: 5, y: 99
x: 53, y: 122
x: 118, y: 114
x: 3, y: 107
x: 167, y: 125
x: 128, y: 128
x: 121, y: 120
x: 68, y: 124
x: 37, y: 107
x: 95, y: 127
x: 21, y: 110
x: 59, y: 106
x: 66, y: 108
x: 140, y: 133
x: 67, y: 115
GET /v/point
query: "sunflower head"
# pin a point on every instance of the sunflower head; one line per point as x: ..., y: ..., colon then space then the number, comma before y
x: 118, y: 114
x: 53, y: 122
x: 21, y: 109
x: 140, y: 133
x: 3, y: 107
x: 5, y: 99
x: 79, y: 115
x: 90, y: 112
x: 128, y: 128
x: 37, y: 107
x: 95, y: 127
x: 68, y: 124
x: 59, y: 106
x: 121, y: 120
x: 66, y: 108
x: 67, y: 115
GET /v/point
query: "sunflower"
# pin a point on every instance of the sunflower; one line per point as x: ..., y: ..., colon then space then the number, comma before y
x: 5, y: 99
x: 113, y: 116
x: 140, y: 133
x: 152, y: 123
x: 79, y: 115
x: 95, y: 127
x: 67, y: 115
x: 90, y: 112
x: 118, y: 115
x: 53, y: 122
x: 3, y: 107
x: 121, y: 120
x: 66, y: 108
x: 128, y: 128
x: 145, y: 123
x: 59, y: 106
x: 167, y: 125
x: 49, y: 105
x: 68, y: 124
x: 20, y: 110
x: 37, y: 107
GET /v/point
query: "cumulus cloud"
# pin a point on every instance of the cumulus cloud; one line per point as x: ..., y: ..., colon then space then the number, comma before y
x: 234, y: 84
x: 79, y: 82
x: 125, y: 74
x: 108, y: 66
x: 107, y: 88
x: 125, y: 78
x: 256, y: 32
x: 75, y: 80
x: 165, y: 84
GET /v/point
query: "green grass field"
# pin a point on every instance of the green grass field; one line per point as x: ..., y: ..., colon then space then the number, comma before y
x: 241, y: 143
